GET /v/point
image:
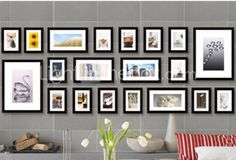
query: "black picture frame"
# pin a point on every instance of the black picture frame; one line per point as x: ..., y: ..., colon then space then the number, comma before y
x: 65, y: 99
x: 124, y: 100
x: 170, y: 38
x: 209, y: 99
x: 95, y: 42
x: 195, y: 29
x: 41, y: 37
x: 50, y: 29
x: 170, y: 66
x: 140, y: 59
x: 94, y: 59
x: 120, y: 39
x: 232, y: 100
x: 145, y: 50
x: 90, y: 100
x: 116, y: 100
x: 185, y: 90
x: 3, y: 40
x: 49, y: 68
x: 40, y: 110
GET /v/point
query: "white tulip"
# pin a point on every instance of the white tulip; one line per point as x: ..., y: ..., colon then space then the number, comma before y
x: 101, y: 143
x: 107, y: 121
x: 85, y: 143
x: 125, y: 125
x: 142, y: 141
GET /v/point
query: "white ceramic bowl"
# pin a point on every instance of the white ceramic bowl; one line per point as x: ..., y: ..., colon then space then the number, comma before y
x: 152, y: 146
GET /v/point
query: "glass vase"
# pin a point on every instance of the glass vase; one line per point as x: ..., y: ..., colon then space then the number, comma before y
x: 109, y: 154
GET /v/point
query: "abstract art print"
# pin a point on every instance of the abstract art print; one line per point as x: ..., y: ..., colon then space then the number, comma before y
x: 103, y: 39
x: 213, y: 53
x: 178, y: 39
x: 167, y: 100
x: 132, y: 100
x: 57, y: 100
x: 67, y: 40
x: 128, y: 39
x: 224, y: 100
x: 178, y: 69
x: 23, y: 79
x: 107, y: 100
x: 82, y: 100
x: 153, y: 39
x: 93, y: 69
x: 57, y: 70
x: 201, y: 100
x: 33, y: 40
x: 140, y: 69
x: 11, y: 40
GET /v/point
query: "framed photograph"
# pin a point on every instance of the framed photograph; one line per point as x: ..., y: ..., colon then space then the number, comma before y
x: 107, y: 100
x: 82, y: 100
x: 201, y: 100
x: 128, y: 39
x: 213, y: 53
x: 224, y: 100
x: 153, y: 39
x: 178, y: 69
x: 167, y: 100
x: 103, y: 39
x: 57, y: 70
x: 132, y: 100
x: 57, y: 100
x: 33, y: 40
x: 22, y: 85
x: 67, y: 40
x: 93, y: 69
x: 11, y: 40
x: 140, y: 70
x: 178, y: 39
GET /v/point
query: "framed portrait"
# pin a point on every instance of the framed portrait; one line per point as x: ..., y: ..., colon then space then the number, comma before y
x: 93, y: 69
x: 33, y: 40
x: 201, y: 100
x: 22, y: 85
x: 178, y: 69
x: 128, y: 39
x: 178, y: 39
x: 62, y: 40
x: 140, y: 70
x: 167, y: 100
x: 224, y: 100
x: 132, y: 100
x: 153, y: 39
x: 213, y: 53
x: 57, y: 70
x: 11, y: 40
x: 57, y: 100
x: 107, y: 100
x: 103, y: 39
x: 82, y: 100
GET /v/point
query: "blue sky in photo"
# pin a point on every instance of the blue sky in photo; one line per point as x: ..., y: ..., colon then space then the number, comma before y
x: 147, y: 66
x: 63, y: 37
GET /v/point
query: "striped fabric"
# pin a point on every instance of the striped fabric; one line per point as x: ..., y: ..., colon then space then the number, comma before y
x: 187, y: 143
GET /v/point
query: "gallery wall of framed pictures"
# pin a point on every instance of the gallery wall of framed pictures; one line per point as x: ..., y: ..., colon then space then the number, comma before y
x: 213, y: 59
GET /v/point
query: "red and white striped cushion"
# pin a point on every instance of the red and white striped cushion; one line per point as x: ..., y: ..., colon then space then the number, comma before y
x: 188, y: 142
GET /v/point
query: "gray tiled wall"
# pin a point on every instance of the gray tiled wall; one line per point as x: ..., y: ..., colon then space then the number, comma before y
x: 90, y: 14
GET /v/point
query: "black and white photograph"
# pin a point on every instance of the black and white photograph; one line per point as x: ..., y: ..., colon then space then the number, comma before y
x: 82, y: 100
x: 224, y: 100
x: 128, y: 39
x: 107, y: 100
x: 140, y: 69
x: 213, y: 53
x: 23, y: 79
x: 178, y: 69
x: 167, y: 100
x: 178, y: 39
x: 132, y: 98
x: 57, y: 70
x: 57, y: 100
x: 201, y: 100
